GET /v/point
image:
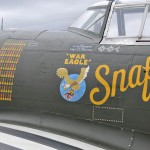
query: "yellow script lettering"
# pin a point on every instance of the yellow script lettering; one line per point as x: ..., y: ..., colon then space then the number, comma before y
x: 131, y: 75
x: 83, y: 56
x: 71, y: 61
x: 147, y: 77
x: 66, y: 61
x: 122, y: 82
x: 104, y: 83
x: 72, y: 56
x: 135, y: 69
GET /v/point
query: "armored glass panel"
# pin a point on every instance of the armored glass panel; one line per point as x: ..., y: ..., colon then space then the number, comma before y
x: 91, y: 20
x: 126, y: 22
x: 146, y: 32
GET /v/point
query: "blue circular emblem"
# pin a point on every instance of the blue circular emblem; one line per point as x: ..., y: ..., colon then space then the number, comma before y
x: 68, y: 92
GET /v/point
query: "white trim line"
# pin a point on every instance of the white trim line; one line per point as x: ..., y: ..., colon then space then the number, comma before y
x: 59, y: 138
x: 21, y: 143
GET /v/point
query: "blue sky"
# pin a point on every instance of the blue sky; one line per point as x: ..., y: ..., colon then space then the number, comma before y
x: 42, y: 14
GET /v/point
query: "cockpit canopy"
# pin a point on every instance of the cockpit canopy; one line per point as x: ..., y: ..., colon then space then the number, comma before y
x: 125, y: 18
x: 130, y: 19
x: 91, y: 20
x: 130, y: 1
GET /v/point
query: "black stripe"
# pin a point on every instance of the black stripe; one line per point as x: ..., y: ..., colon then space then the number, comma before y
x: 38, y: 139
x: 7, y: 147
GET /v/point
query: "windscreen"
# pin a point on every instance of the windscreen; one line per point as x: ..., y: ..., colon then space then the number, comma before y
x: 91, y: 20
x: 126, y: 22
x: 146, y: 31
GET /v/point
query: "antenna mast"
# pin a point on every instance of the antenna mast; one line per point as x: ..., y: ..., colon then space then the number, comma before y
x: 2, y: 24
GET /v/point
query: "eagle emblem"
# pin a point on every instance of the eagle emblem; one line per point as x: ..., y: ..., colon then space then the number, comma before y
x: 73, y: 86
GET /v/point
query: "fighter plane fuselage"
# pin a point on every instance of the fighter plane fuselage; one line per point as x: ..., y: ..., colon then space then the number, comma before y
x: 77, y: 75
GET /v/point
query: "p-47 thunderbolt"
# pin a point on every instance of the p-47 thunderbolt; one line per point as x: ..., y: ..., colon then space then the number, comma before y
x: 91, y: 82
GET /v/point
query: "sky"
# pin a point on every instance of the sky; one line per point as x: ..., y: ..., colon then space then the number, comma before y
x: 42, y: 14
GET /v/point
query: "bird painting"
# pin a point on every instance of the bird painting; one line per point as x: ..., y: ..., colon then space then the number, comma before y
x: 73, y: 84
